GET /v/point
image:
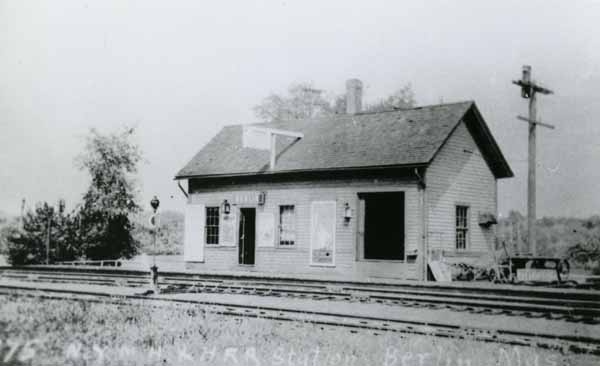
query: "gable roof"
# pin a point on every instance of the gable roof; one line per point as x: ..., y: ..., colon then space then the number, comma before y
x: 385, y: 139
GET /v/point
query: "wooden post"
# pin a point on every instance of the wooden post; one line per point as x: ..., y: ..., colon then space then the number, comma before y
x: 531, y: 187
x: 48, y: 241
x: 529, y: 90
x: 22, y: 214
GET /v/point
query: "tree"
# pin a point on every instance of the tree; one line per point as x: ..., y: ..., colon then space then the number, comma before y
x: 303, y: 101
x: 28, y: 245
x: 104, y: 218
x: 5, y: 229
x: 402, y: 98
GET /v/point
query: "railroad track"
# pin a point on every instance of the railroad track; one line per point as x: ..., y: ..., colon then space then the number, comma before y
x: 581, y: 306
x: 354, y: 323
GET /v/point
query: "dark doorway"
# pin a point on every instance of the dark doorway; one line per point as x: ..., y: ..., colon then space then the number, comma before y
x: 383, y: 225
x: 247, y: 235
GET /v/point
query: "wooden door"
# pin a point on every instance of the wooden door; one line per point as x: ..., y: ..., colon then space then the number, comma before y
x: 247, y: 234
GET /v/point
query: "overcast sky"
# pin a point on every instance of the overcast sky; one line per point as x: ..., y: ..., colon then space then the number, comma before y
x: 180, y: 70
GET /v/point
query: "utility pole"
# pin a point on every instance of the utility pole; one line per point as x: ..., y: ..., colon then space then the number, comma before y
x: 529, y: 90
x: 22, y: 225
x: 154, y: 203
x: 48, y: 239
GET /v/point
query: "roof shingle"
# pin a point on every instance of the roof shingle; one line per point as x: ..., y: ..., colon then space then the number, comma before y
x: 395, y: 138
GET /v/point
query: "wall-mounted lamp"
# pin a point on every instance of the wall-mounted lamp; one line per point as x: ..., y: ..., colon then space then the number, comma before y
x: 226, y: 207
x: 347, y: 213
x: 262, y: 198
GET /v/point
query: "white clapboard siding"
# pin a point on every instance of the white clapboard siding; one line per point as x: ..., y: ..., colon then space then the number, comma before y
x: 194, y: 232
x: 265, y: 229
x: 229, y: 227
x: 460, y: 175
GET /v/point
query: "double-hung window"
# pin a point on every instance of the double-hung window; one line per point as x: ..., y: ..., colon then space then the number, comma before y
x: 462, y: 227
x: 212, y: 225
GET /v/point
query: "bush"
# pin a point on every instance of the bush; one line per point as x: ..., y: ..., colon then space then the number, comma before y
x: 6, y: 230
x: 589, y: 250
x: 28, y: 246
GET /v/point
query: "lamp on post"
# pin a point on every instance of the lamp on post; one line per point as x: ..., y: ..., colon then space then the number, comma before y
x: 154, y: 203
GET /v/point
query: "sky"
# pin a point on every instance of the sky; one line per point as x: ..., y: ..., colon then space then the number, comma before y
x: 181, y: 70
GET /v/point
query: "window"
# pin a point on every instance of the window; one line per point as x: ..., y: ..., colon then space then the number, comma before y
x: 287, y: 225
x: 212, y: 225
x: 462, y: 226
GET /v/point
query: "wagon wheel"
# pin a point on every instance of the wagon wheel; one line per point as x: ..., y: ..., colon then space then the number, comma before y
x: 563, y: 270
x: 493, y: 275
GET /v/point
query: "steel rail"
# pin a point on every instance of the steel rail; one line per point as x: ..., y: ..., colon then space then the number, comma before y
x: 377, y: 325
x: 551, y: 306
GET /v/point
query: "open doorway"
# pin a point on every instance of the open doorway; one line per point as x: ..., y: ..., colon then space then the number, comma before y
x: 247, y: 235
x: 382, y: 226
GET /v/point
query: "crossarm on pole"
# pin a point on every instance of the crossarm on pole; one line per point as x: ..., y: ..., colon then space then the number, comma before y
x: 536, y: 122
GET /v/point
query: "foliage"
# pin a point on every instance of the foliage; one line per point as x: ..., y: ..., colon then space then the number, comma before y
x: 401, y: 99
x: 587, y: 252
x: 575, y: 238
x: 67, y: 332
x: 304, y: 101
x: 28, y: 246
x: 169, y: 239
x: 7, y: 225
x: 100, y: 227
x: 111, y: 160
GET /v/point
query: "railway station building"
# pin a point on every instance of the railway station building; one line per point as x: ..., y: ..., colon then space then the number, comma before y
x: 354, y: 195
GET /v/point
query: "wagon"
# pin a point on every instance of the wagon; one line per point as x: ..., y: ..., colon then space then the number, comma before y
x: 531, y: 269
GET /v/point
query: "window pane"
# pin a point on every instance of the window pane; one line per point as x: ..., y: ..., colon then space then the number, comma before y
x: 287, y: 225
x: 462, y: 226
x: 212, y: 225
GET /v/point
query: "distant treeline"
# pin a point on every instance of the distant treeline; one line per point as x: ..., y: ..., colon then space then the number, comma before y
x: 5, y: 221
x: 169, y: 236
x: 575, y: 238
x: 169, y: 240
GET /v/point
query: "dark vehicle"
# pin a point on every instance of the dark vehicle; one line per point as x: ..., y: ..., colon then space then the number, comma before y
x: 531, y: 269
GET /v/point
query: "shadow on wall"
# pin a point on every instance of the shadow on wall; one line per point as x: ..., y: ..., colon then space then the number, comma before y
x: 449, y: 180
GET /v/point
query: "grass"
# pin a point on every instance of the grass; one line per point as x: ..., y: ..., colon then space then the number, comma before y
x: 69, y: 332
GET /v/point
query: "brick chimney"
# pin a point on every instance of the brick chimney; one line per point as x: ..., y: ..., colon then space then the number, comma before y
x: 354, y: 89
